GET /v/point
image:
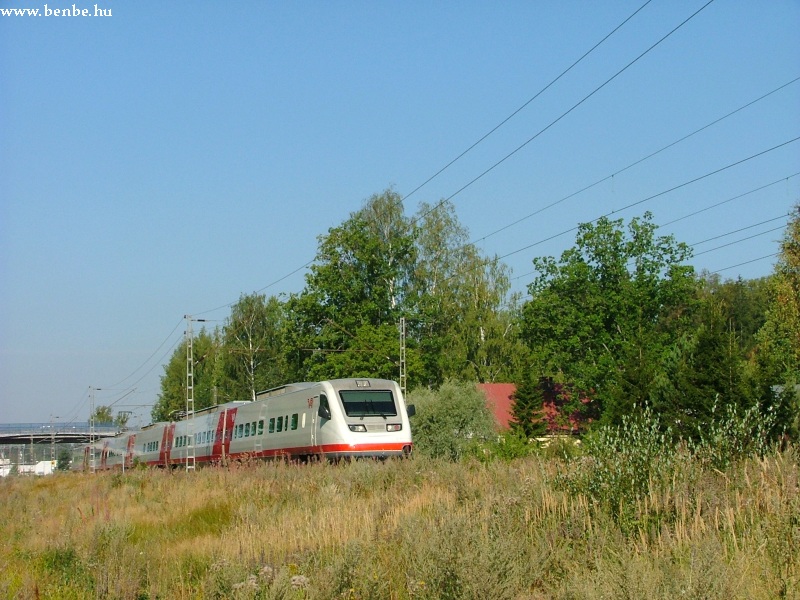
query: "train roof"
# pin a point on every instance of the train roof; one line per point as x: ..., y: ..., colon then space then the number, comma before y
x: 285, y: 389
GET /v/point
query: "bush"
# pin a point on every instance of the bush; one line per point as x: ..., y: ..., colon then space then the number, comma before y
x: 451, y: 422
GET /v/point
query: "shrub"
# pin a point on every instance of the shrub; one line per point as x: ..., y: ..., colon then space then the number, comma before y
x: 451, y: 421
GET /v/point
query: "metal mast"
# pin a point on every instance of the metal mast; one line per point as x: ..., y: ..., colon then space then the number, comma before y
x: 190, y: 452
x: 91, y: 429
x: 403, y: 356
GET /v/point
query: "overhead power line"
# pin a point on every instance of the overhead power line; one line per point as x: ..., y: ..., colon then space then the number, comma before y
x: 739, y: 241
x: 717, y: 237
x: 527, y: 102
x: 758, y: 189
x: 564, y: 114
x: 741, y: 264
x: 147, y: 360
x: 637, y: 162
x: 654, y: 196
x: 527, y: 274
x: 489, y: 133
x: 513, y: 152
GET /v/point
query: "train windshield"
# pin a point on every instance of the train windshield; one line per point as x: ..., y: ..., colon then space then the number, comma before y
x: 368, y: 403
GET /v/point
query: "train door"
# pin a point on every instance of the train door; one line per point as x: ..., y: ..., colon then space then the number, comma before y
x: 128, y: 459
x: 223, y: 434
x: 319, y: 413
x: 86, y: 460
x: 166, y: 445
x: 104, y: 456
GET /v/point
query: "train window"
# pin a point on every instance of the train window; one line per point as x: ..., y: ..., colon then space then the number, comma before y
x: 272, y: 425
x: 247, y: 430
x: 367, y: 403
x: 324, y: 407
x: 280, y: 424
x: 294, y: 421
x: 239, y: 430
x: 261, y: 427
x: 253, y: 428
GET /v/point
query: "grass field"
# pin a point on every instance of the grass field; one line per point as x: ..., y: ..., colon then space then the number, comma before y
x: 542, y: 526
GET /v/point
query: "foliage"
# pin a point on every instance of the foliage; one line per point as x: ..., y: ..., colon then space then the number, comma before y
x: 778, y: 358
x: 380, y: 266
x: 526, y: 408
x: 461, y: 315
x: 172, y: 398
x: 603, y: 316
x: 627, y: 461
x: 252, y: 355
x: 64, y: 459
x: 743, y: 302
x: 508, y: 445
x: 359, y: 279
x: 734, y: 434
x: 103, y: 414
x: 452, y: 421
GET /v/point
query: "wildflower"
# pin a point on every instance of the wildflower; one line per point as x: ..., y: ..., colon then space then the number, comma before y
x: 299, y: 582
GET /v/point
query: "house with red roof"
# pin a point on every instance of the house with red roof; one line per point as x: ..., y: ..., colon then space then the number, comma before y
x: 500, y: 401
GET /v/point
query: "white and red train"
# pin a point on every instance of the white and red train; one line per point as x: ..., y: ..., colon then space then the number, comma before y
x: 341, y: 418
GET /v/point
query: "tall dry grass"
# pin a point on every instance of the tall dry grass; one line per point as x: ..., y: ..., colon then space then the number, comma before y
x: 529, y: 528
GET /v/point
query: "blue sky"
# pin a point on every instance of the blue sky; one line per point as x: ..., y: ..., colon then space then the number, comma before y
x: 170, y: 157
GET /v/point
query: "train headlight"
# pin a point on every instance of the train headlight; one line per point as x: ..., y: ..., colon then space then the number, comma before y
x: 394, y: 427
x: 361, y: 428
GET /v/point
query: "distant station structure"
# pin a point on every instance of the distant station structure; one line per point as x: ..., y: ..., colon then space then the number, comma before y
x: 54, y: 433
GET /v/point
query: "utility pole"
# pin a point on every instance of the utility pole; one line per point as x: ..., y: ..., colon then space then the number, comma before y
x: 191, y: 456
x: 53, y: 440
x: 403, y: 356
x: 92, y: 390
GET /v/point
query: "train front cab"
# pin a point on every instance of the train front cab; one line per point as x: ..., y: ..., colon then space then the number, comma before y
x: 363, y: 418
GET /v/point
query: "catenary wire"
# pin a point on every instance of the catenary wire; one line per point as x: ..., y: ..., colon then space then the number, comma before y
x: 308, y: 263
x: 637, y: 162
x: 527, y: 274
x: 574, y: 106
x: 654, y: 196
x: 534, y: 97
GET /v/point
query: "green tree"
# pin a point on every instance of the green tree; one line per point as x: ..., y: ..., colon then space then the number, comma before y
x: 744, y: 303
x: 778, y: 358
x: 527, y: 405
x: 172, y: 398
x: 461, y: 314
x: 348, y: 314
x: 64, y: 460
x: 252, y: 356
x: 603, y: 316
x: 701, y: 373
x: 380, y: 266
x: 103, y: 414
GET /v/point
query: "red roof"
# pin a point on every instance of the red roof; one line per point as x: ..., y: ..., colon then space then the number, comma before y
x: 500, y: 402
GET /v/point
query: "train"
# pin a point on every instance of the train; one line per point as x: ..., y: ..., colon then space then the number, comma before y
x: 335, y: 419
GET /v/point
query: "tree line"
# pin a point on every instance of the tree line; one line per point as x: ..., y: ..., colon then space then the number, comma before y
x: 619, y: 322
